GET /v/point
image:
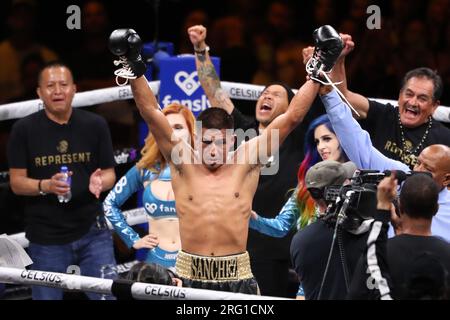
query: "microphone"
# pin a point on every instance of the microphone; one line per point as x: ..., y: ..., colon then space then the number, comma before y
x: 342, y: 213
x: 399, y: 174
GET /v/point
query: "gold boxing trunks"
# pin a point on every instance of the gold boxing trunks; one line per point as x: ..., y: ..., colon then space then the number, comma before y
x: 213, y: 269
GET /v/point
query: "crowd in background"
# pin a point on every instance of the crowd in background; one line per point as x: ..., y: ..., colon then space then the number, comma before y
x: 258, y: 42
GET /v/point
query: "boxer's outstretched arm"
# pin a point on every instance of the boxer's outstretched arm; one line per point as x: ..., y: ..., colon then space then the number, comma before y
x: 126, y: 44
x: 155, y: 119
x: 206, y: 72
x: 338, y: 75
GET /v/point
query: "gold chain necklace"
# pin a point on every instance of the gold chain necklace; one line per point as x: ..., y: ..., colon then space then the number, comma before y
x: 417, y: 148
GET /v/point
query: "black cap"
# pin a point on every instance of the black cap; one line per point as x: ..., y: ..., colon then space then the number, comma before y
x: 329, y: 172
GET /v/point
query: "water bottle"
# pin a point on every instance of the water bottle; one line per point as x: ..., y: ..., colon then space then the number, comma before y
x: 66, y: 197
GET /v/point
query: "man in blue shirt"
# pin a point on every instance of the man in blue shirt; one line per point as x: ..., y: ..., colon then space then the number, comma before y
x: 400, y: 132
x: 356, y: 142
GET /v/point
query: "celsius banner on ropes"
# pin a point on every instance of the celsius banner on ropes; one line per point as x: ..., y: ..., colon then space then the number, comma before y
x: 180, y: 84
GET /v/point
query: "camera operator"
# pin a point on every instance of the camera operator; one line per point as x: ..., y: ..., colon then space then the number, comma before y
x: 312, y: 246
x: 413, y: 265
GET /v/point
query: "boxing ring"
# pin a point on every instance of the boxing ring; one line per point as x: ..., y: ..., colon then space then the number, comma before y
x: 121, y: 289
x: 124, y: 289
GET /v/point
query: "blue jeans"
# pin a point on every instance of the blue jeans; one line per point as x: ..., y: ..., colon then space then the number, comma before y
x: 92, y: 253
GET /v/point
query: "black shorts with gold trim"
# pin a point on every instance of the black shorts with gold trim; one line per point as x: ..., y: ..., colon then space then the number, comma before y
x: 224, y: 273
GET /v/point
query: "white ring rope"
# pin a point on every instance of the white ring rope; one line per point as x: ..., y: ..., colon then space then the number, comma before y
x: 235, y: 90
x: 139, y: 290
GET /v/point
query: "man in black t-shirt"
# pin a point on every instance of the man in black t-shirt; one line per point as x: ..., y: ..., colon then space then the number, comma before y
x: 413, y: 264
x: 402, y: 132
x: 269, y: 256
x: 72, y: 233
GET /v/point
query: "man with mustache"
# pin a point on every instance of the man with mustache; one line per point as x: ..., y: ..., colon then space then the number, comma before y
x: 399, y: 133
x: 434, y: 159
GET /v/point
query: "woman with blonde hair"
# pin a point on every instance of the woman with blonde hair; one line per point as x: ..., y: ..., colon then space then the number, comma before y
x: 152, y: 174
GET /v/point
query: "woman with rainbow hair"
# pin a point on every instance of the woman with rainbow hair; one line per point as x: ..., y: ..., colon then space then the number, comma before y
x: 300, y: 210
x: 320, y: 144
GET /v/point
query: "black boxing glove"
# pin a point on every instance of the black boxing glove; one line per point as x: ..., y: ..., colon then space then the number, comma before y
x: 329, y: 44
x: 328, y: 47
x: 127, y: 44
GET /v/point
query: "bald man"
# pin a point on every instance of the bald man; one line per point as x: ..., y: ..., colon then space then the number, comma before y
x: 356, y: 142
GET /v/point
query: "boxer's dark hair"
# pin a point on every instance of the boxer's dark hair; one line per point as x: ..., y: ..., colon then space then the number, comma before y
x: 216, y: 118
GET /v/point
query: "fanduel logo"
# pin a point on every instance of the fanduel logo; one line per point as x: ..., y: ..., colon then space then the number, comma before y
x: 186, y: 82
x: 196, y: 105
x: 151, y: 207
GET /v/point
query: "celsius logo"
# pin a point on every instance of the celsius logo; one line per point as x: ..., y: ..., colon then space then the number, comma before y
x: 186, y: 82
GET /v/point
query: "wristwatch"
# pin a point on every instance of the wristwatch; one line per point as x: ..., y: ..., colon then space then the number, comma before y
x: 42, y: 193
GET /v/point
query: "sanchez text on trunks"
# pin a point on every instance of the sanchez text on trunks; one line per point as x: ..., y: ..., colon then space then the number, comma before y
x: 206, y: 268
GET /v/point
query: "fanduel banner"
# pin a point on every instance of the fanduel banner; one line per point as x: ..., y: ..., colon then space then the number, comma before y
x: 179, y: 83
